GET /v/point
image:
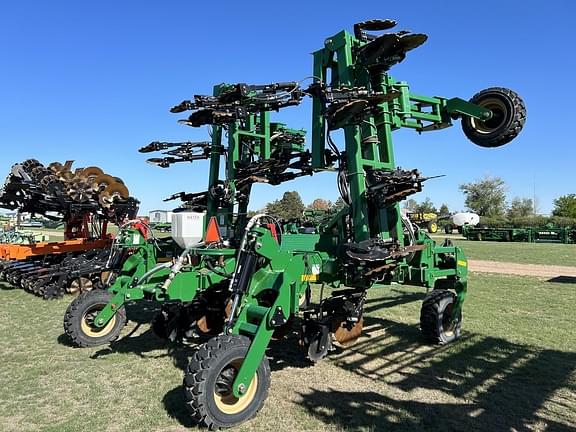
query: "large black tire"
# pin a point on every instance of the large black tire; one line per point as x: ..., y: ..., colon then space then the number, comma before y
x: 436, y: 318
x: 508, y: 118
x: 79, y: 327
x: 215, y: 363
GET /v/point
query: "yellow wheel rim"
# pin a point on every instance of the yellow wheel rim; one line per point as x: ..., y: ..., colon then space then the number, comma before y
x: 89, y: 329
x: 498, y: 109
x: 229, y: 404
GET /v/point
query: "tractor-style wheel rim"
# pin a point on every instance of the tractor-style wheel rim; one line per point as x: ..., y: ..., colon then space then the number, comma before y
x: 224, y: 398
x: 87, y: 323
x: 498, y: 118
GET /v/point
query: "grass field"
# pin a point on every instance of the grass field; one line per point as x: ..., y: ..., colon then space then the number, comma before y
x: 514, y: 369
x: 524, y: 253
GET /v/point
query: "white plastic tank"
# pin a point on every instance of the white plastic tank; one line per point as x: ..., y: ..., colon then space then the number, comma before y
x: 461, y: 219
x: 187, y: 228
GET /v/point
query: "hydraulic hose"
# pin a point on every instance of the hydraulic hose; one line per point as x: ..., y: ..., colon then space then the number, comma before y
x: 239, y: 267
x: 177, y: 266
x: 153, y: 270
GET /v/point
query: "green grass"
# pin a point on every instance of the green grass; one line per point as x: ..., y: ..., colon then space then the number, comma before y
x: 524, y: 253
x: 513, y: 369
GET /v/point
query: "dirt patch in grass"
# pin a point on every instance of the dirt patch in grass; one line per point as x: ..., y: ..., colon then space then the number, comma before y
x: 545, y: 271
x: 517, y: 252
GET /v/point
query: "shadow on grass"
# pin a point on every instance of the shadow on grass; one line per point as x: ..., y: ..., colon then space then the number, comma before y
x: 175, y: 405
x: 500, y: 386
x: 563, y: 279
x: 148, y: 345
x: 65, y: 340
x: 372, y: 411
x: 145, y: 344
x: 5, y: 286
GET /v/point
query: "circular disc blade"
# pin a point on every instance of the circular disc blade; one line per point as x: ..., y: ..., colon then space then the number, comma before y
x: 346, y: 336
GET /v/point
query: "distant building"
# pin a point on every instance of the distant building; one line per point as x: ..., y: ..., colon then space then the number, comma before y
x: 160, y: 216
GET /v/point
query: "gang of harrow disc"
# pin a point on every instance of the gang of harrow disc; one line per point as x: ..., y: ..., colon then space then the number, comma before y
x: 112, y: 191
x: 79, y: 285
x: 90, y: 172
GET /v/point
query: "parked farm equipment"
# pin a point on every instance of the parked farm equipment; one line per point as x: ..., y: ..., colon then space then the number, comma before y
x: 458, y: 221
x: 15, y: 236
x: 547, y: 234
x: 241, y: 281
x: 85, y: 200
x: 428, y: 220
x: 162, y: 227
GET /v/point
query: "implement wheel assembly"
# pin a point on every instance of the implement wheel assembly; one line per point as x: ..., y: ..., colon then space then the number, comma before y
x: 209, y: 378
x: 79, y: 320
x: 508, y: 118
x: 436, y: 317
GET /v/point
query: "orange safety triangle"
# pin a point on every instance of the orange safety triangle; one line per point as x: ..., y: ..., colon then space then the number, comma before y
x: 272, y: 228
x: 213, y: 232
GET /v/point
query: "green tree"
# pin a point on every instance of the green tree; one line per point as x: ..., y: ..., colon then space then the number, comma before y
x: 426, y: 206
x: 486, y: 196
x: 520, y: 207
x: 339, y: 204
x: 290, y: 206
x: 444, y: 210
x: 565, y: 206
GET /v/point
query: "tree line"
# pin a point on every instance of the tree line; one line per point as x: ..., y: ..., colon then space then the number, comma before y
x: 291, y: 206
x: 486, y: 196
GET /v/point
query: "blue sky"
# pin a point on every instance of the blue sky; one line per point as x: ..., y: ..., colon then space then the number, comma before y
x: 93, y: 82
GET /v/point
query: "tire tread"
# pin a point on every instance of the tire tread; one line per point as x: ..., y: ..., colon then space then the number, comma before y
x: 72, y: 320
x: 511, y: 132
x: 198, y: 371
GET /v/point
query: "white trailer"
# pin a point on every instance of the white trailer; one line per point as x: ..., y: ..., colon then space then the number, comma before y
x: 160, y: 216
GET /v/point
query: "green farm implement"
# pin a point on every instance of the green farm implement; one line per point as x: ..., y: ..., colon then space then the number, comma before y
x: 528, y: 234
x: 240, y: 281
